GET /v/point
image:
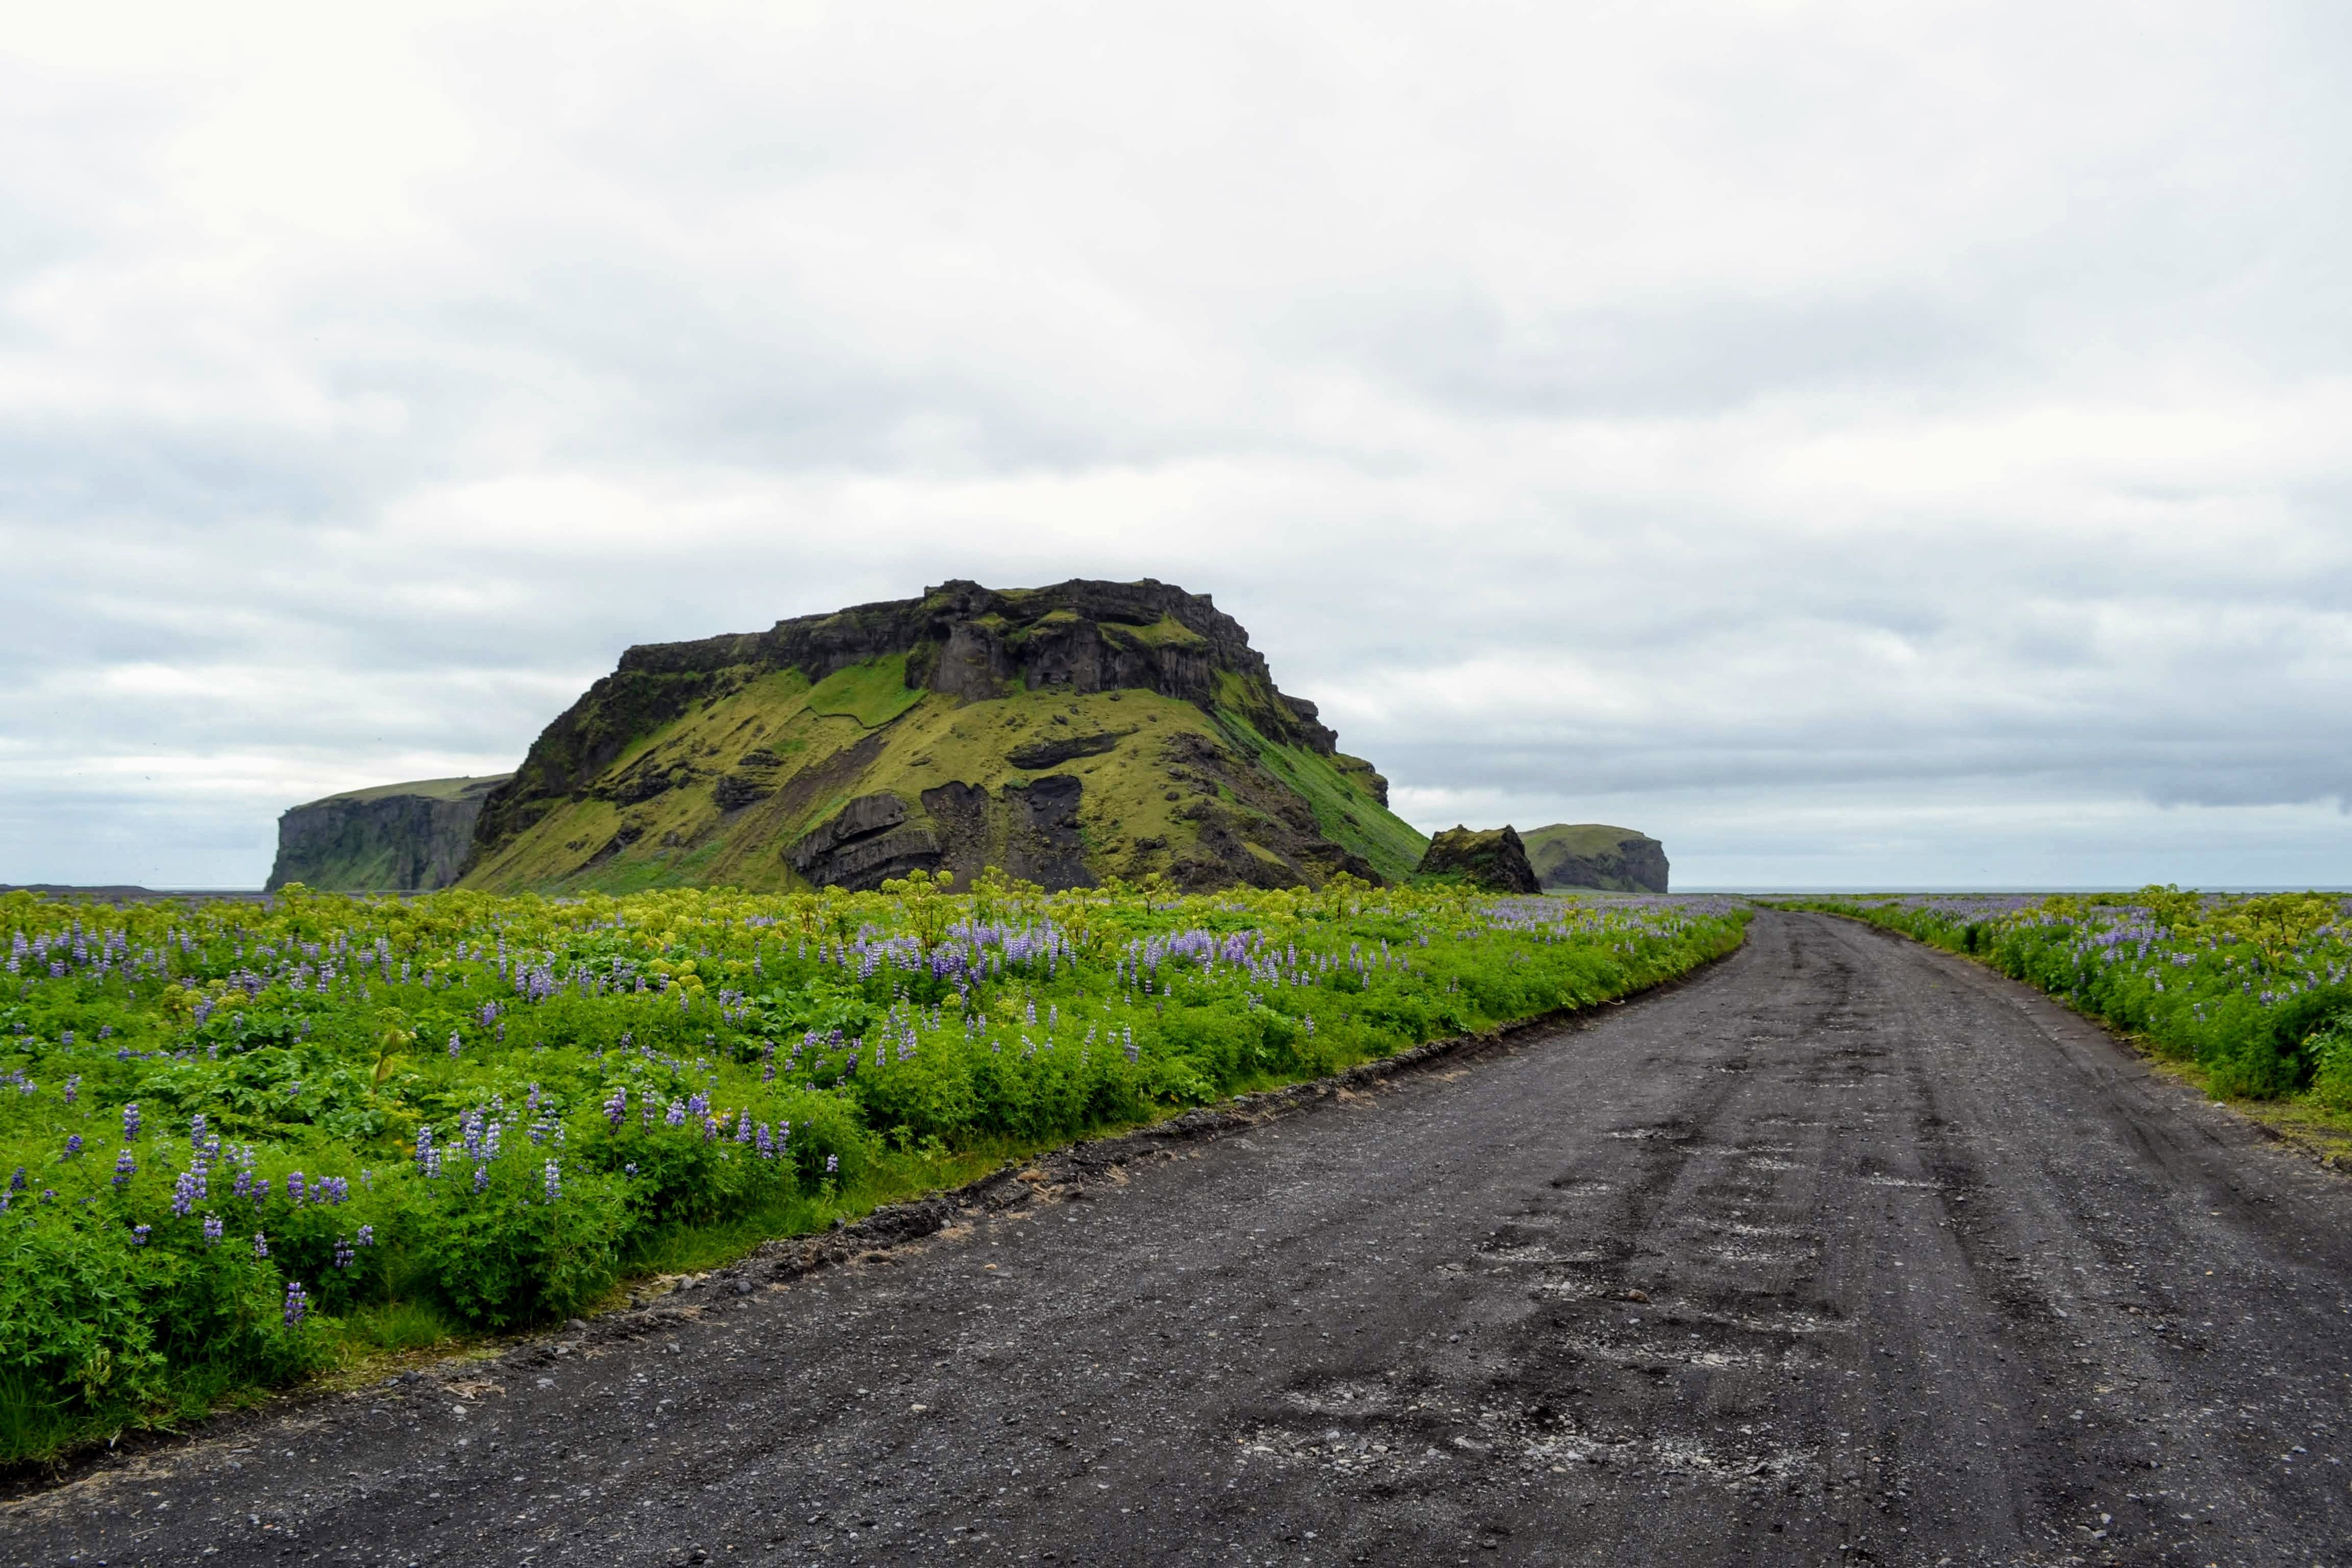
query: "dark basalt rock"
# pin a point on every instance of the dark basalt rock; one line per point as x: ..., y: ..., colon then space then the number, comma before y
x: 1492, y: 859
x: 1054, y: 752
x: 865, y: 844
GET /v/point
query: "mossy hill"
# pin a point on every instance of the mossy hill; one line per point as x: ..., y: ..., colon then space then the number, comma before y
x: 1492, y: 859
x: 392, y: 839
x: 1593, y: 855
x: 1066, y: 735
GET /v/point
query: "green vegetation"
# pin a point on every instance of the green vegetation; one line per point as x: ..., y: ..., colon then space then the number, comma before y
x: 1596, y: 855
x: 249, y: 1141
x: 657, y: 817
x: 1588, y: 839
x: 1343, y: 809
x: 2253, y: 992
x: 1492, y: 859
x: 873, y: 693
x: 424, y: 789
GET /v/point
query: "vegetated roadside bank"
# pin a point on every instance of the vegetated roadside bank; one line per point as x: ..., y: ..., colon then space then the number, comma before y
x: 248, y: 1140
x: 2250, y: 998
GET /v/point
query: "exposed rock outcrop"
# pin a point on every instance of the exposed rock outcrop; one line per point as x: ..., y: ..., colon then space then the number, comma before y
x: 1594, y: 854
x: 1063, y: 734
x: 394, y: 838
x: 1490, y: 858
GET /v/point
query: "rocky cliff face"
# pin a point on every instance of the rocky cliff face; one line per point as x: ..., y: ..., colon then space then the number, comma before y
x: 1064, y: 735
x: 405, y: 838
x: 1593, y: 855
x: 1493, y: 859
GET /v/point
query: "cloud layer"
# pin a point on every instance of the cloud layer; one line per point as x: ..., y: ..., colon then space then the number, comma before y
x: 1861, y: 445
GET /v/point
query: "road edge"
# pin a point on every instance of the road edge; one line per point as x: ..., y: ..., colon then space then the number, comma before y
x: 1058, y: 1173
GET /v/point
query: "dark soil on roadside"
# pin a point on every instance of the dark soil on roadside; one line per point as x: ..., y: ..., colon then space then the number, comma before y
x: 1843, y: 1251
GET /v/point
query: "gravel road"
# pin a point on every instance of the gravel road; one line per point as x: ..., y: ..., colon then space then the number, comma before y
x: 1843, y: 1251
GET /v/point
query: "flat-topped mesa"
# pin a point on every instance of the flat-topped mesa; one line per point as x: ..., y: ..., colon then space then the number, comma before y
x: 392, y: 838
x: 977, y: 643
x: 1594, y: 854
x: 921, y: 714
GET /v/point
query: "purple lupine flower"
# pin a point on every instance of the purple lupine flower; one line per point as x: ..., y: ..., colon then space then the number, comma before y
x: 616, y: 1108
x: 767, y: 1144
x: 343, y: 1254
x: 554, y: 1182
x: 140, y: 1233
x: 73, y: 1144
x: 833, y: 1164
x: 260, y: 1191
x: 366, y: 1237
x: 17, y: 1182
x: 184, y: 1194
x: 125, y: 1167
x: 700, y: 1105
x: 424, y: 1145
x: 297, y: 1301
x: 73, y: 1084
x: 293, y: 1187
x: 260, y: 1245
x: 676, y: 1116
x: 455, y: 1044
x: 743, y: 1128
x: 131, y: 1122
x: 481, y: 1180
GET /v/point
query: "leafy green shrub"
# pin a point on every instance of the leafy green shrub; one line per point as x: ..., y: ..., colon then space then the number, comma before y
x: 2330, y: 1052
x: 523, y: 1245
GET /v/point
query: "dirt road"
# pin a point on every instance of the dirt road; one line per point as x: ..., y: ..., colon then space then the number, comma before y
x: 1843, y: 1252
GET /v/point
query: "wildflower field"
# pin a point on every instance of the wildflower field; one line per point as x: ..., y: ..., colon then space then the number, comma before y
x: 245, y: 1139
x: 2256, y: 990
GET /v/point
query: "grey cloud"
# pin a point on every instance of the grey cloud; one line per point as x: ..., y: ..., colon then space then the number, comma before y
x: 1732, y: 415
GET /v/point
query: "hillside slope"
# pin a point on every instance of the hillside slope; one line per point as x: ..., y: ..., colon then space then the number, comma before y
x: 392, y: 838
x: 1066, y: 735
x: 1594, y: 854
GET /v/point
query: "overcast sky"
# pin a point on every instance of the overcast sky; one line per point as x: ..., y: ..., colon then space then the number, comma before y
x: 1859, y: 444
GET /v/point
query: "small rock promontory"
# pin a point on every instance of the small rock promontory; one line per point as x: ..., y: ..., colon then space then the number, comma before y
x: 1492, y: 859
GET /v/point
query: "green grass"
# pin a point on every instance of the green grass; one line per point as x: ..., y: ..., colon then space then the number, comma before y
x: 393, y: 1327
x: 873, y: 693
x: 1590, y: 840
x: 430, y: 789
x: 1346, y: 813
x: 1165, y: 632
